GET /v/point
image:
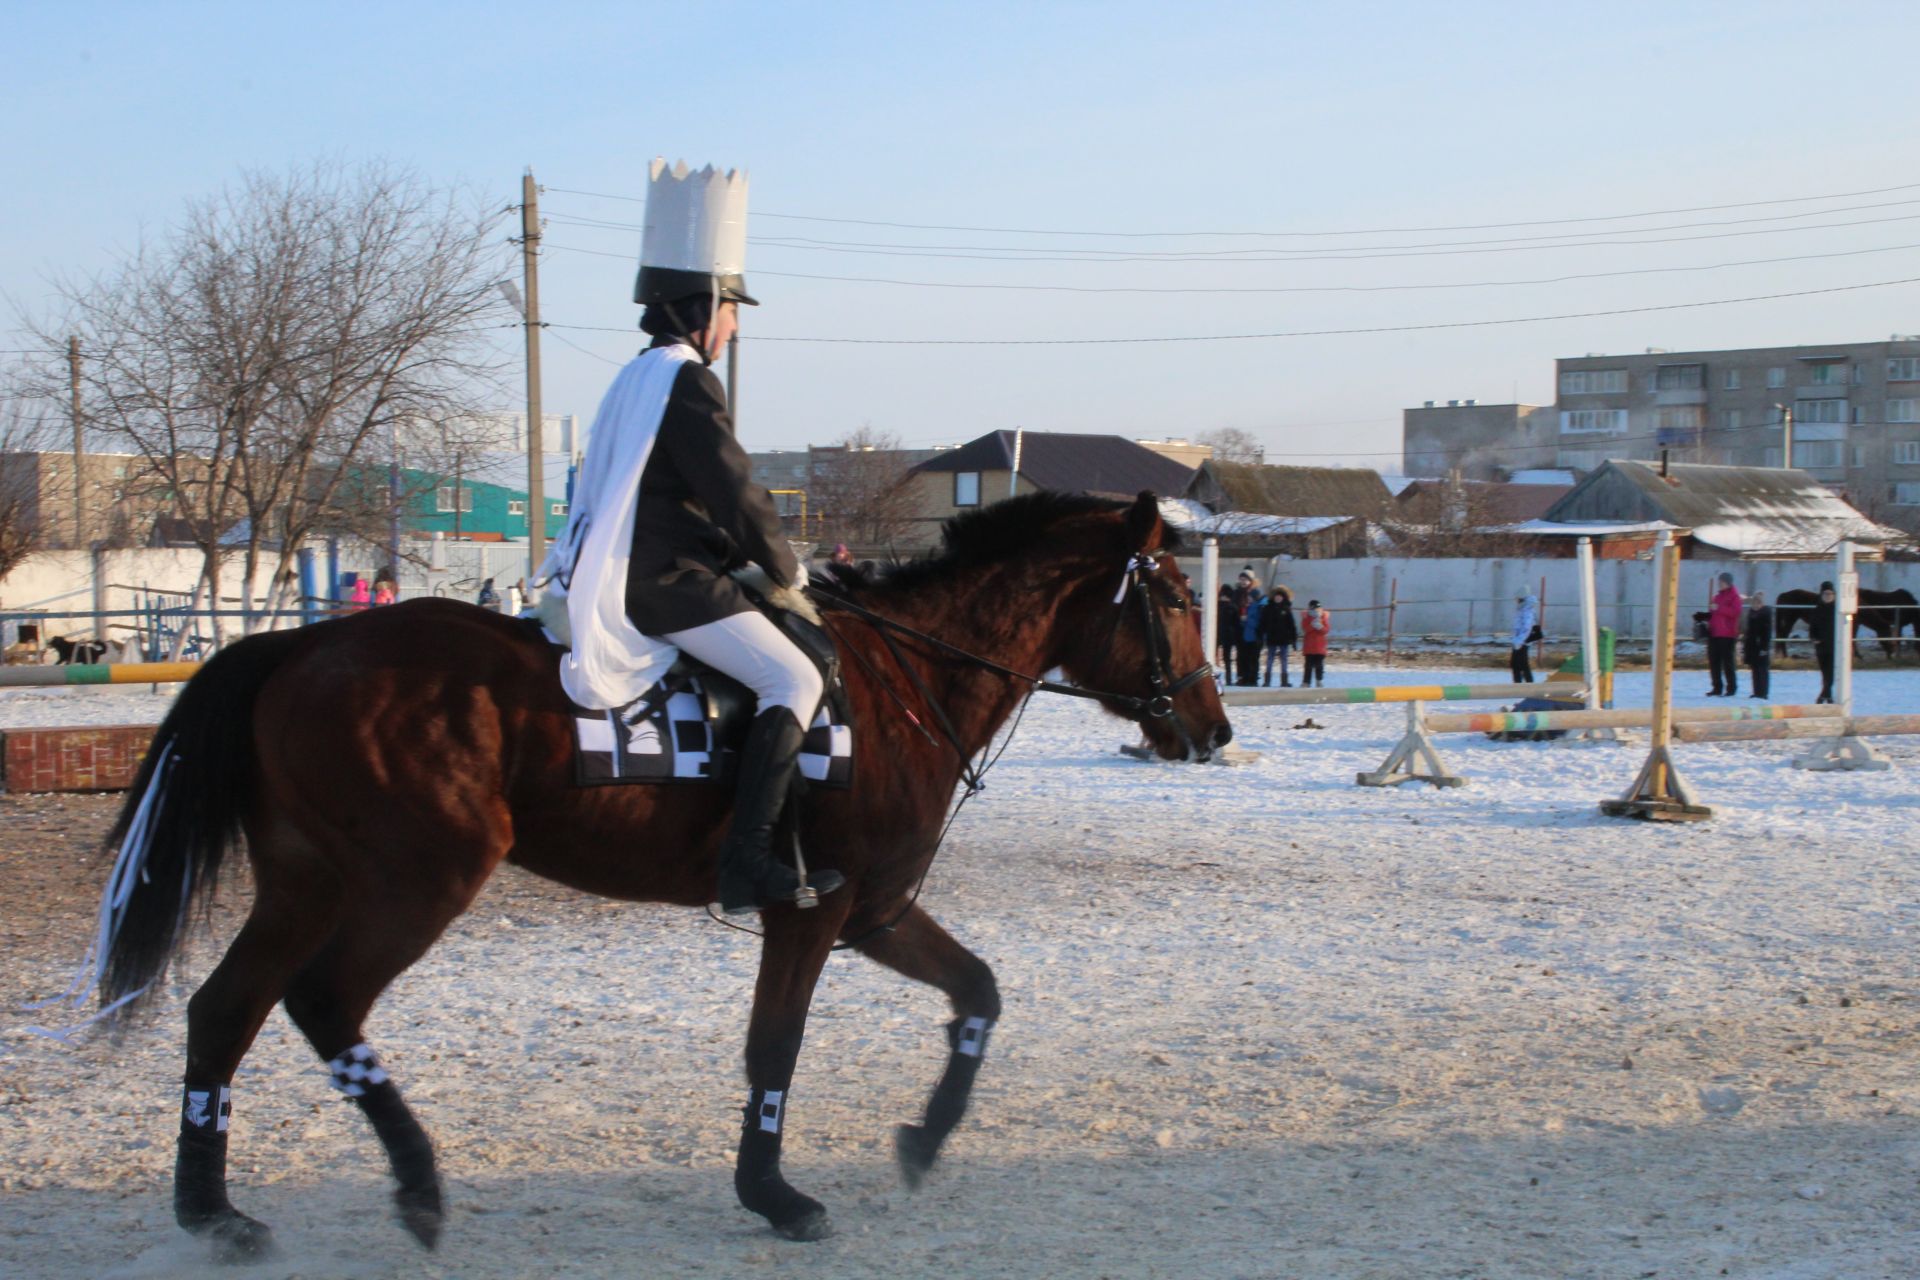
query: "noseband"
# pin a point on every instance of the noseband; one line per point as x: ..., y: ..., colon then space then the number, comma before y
x: 1141, y: 569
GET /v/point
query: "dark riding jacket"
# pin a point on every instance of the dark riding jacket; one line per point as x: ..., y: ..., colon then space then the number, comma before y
x: 699, y: 514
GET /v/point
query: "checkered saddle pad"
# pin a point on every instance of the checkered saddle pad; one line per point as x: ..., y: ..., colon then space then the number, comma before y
x: 690, y: 726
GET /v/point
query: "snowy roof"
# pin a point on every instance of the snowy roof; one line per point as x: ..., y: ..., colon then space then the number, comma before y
x: 1587, y: 529
x: 1542, y: 476
x: 1397, y: 483
x: 1746, y: 511
x: 1190, y: 516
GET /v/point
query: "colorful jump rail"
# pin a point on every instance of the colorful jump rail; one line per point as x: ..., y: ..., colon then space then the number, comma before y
x: 98, y: 673
x: 1619, y: 718
x: 1356, y: 694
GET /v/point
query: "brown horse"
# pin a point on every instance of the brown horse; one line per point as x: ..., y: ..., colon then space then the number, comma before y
x: 447, y: 725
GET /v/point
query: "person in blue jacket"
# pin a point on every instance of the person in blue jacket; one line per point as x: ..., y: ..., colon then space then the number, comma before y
x: 1526, y: 615
x: 1248, y: 632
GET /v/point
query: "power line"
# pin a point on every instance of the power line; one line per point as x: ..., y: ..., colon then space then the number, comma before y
x: 1483, y: 226
x: 1315, y: 254
x: 561, y: 337
x: 1292, y: 255
x: 1566, y: 239
x: 1299, y: 333
x: 1270, y: 289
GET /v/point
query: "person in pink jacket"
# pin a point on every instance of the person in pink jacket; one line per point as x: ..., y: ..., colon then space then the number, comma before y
x: 1315, y: 626
x: 1723, y: 638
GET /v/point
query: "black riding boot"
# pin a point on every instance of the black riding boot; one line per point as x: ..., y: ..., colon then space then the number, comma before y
x: 751, y: 878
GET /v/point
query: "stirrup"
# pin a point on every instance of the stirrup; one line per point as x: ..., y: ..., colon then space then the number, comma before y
x: 803, y: 895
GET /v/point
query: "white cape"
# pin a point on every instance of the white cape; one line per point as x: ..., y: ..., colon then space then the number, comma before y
x: 611, y: 662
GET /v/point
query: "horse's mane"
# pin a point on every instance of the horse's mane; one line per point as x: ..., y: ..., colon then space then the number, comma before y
x: 993, y: 535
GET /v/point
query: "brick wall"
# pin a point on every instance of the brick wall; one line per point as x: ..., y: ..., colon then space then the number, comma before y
x: 87, y: 759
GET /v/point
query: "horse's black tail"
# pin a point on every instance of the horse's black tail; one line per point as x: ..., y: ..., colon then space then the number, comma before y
x: 181, y: 817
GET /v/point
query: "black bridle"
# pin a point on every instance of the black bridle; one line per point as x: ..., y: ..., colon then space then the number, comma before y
x: 1157, y: 705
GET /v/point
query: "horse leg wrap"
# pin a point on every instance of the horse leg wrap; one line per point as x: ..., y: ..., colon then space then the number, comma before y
x: 918, y: 1145
x: 200, y: 1165
x: 968, y: 1039
x: 200, y: 1201
x: 357, y: 1073
x: 756, y: 1175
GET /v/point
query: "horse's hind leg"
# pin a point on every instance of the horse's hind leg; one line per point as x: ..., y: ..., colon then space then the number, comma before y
x: 283, y: 930
x: 920, y: 949
x: 329, y: 1001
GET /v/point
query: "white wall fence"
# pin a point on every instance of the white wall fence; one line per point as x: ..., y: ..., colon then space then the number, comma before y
x: 1473, y: 600
x: 107, y: 582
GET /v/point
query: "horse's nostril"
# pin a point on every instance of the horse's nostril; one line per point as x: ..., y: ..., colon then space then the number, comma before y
x: 1223, y: 735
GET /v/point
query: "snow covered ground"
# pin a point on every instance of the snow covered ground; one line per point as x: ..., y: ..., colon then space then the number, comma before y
x: 1260, y: 1022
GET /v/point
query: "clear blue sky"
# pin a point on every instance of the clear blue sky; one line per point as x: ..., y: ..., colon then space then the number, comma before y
x: 1068, y: 118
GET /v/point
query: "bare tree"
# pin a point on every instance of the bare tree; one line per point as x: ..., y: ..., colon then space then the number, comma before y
x: 861, y: 489
x: 1454, y: 517
x: 1231, y: 444
x: 24, y: 430
x: 269, y: 356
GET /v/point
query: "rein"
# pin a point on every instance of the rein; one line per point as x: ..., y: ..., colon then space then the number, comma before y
x: 1160, y: 676
x: 1158, y: 705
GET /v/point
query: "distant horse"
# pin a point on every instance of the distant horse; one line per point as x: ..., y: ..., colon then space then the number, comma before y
x: 1885, y: 613
x: 446, y: 726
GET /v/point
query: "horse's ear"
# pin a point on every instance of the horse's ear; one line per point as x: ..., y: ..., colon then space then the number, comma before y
x: 1144, y: 532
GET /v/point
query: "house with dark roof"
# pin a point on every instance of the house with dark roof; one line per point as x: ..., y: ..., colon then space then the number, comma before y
x: 984, y: 471
x: 1743, y: 513
x: 1309, y: 513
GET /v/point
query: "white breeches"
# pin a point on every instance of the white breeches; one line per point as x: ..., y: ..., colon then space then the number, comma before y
x: 748, y: 647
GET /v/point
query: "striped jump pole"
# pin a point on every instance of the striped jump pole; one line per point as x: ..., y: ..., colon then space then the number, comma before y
x: 1375, y: 693
x: 1623, y: 718
x: 1822, y: 727
x: 98, y: 673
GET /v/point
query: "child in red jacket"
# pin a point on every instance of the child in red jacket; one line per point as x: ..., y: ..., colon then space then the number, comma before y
x: 1315, y: 625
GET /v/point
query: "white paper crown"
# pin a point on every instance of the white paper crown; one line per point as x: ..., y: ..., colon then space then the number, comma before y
x: 696, y: 224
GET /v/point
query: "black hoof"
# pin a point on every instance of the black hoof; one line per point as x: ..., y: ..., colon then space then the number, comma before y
x: 916, y: 1150
x: 421, y: 1213
x: 811, y: 1225
x: 234, y: 1237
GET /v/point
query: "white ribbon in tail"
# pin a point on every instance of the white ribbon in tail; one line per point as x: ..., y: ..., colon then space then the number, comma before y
x: 129, y: 870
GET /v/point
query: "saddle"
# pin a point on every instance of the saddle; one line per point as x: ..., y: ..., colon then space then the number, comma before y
x: 688, y: 727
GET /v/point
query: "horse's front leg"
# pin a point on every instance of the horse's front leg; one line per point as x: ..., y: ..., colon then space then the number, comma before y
x: 796, y: 947
x: 922, y: 950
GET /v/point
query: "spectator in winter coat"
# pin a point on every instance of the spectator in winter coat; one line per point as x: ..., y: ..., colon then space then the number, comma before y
x: 1226, y: 622
x: 1246, y: 656
x: 1823, y: 625
x: 1757, y: 640
x: 1315, y: 627
x: 1280, y: 632
x: 1526, y: 615
x: 1723, y: 630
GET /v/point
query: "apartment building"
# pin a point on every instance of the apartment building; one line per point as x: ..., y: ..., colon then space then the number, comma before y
x: 1476, y: 441
x: 1855, y: 410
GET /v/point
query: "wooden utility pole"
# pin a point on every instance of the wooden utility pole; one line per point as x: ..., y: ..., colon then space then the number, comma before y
x: 79, y: 446
x: 530, y: 261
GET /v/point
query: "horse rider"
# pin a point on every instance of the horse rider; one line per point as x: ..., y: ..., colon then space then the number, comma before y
x: 695, y: 515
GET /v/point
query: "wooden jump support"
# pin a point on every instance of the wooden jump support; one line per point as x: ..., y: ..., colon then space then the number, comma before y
x: 98, y: 673
x: 1659, y: 793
